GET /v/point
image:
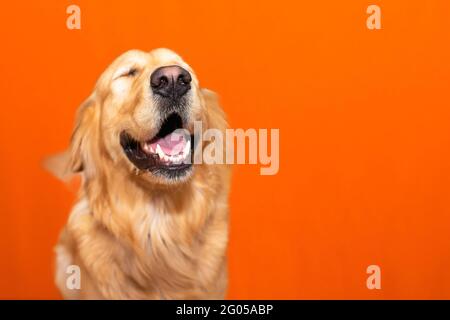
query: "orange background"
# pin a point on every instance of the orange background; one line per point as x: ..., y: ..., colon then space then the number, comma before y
x: 364, y: 127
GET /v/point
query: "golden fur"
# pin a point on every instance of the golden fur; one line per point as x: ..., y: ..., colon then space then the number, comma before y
x: 133, y: 235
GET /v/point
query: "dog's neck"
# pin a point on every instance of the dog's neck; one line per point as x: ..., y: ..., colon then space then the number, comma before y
x: 159, y: 232
x: 129, y: 210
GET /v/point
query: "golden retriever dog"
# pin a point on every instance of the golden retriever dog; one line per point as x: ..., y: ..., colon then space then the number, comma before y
x: 148, y: 222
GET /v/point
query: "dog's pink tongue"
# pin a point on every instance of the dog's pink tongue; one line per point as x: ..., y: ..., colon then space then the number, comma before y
x: 172, y: 144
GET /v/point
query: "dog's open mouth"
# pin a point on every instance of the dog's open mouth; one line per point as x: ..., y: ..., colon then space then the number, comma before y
x: 169, y: 153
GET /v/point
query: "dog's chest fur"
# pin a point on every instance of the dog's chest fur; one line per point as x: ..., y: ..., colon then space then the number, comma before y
x: 148, y: 251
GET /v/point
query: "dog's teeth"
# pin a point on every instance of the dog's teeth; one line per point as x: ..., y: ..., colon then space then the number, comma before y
x: 159, y: 151
x: 144, y: 146
x: 178, y: 158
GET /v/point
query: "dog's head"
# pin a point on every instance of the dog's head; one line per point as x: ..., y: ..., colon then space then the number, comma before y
x: 140, y: 119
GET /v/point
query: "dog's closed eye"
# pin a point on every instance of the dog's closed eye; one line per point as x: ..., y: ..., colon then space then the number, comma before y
x: 121, y: 79
x: 126, y: 72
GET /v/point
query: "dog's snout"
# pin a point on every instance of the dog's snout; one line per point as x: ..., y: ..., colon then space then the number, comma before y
x: 170, y: 81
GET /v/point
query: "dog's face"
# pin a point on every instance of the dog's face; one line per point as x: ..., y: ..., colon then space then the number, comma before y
x: 143, y: 110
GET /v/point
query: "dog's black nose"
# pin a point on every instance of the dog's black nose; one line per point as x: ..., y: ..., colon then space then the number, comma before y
x: 170, y: 81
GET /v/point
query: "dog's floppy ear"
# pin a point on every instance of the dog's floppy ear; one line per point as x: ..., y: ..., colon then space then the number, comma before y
x: 74, y: 160
x: 79, y: 143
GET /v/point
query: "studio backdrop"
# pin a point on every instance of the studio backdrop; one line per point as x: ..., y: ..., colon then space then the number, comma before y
x: 358, y: 206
